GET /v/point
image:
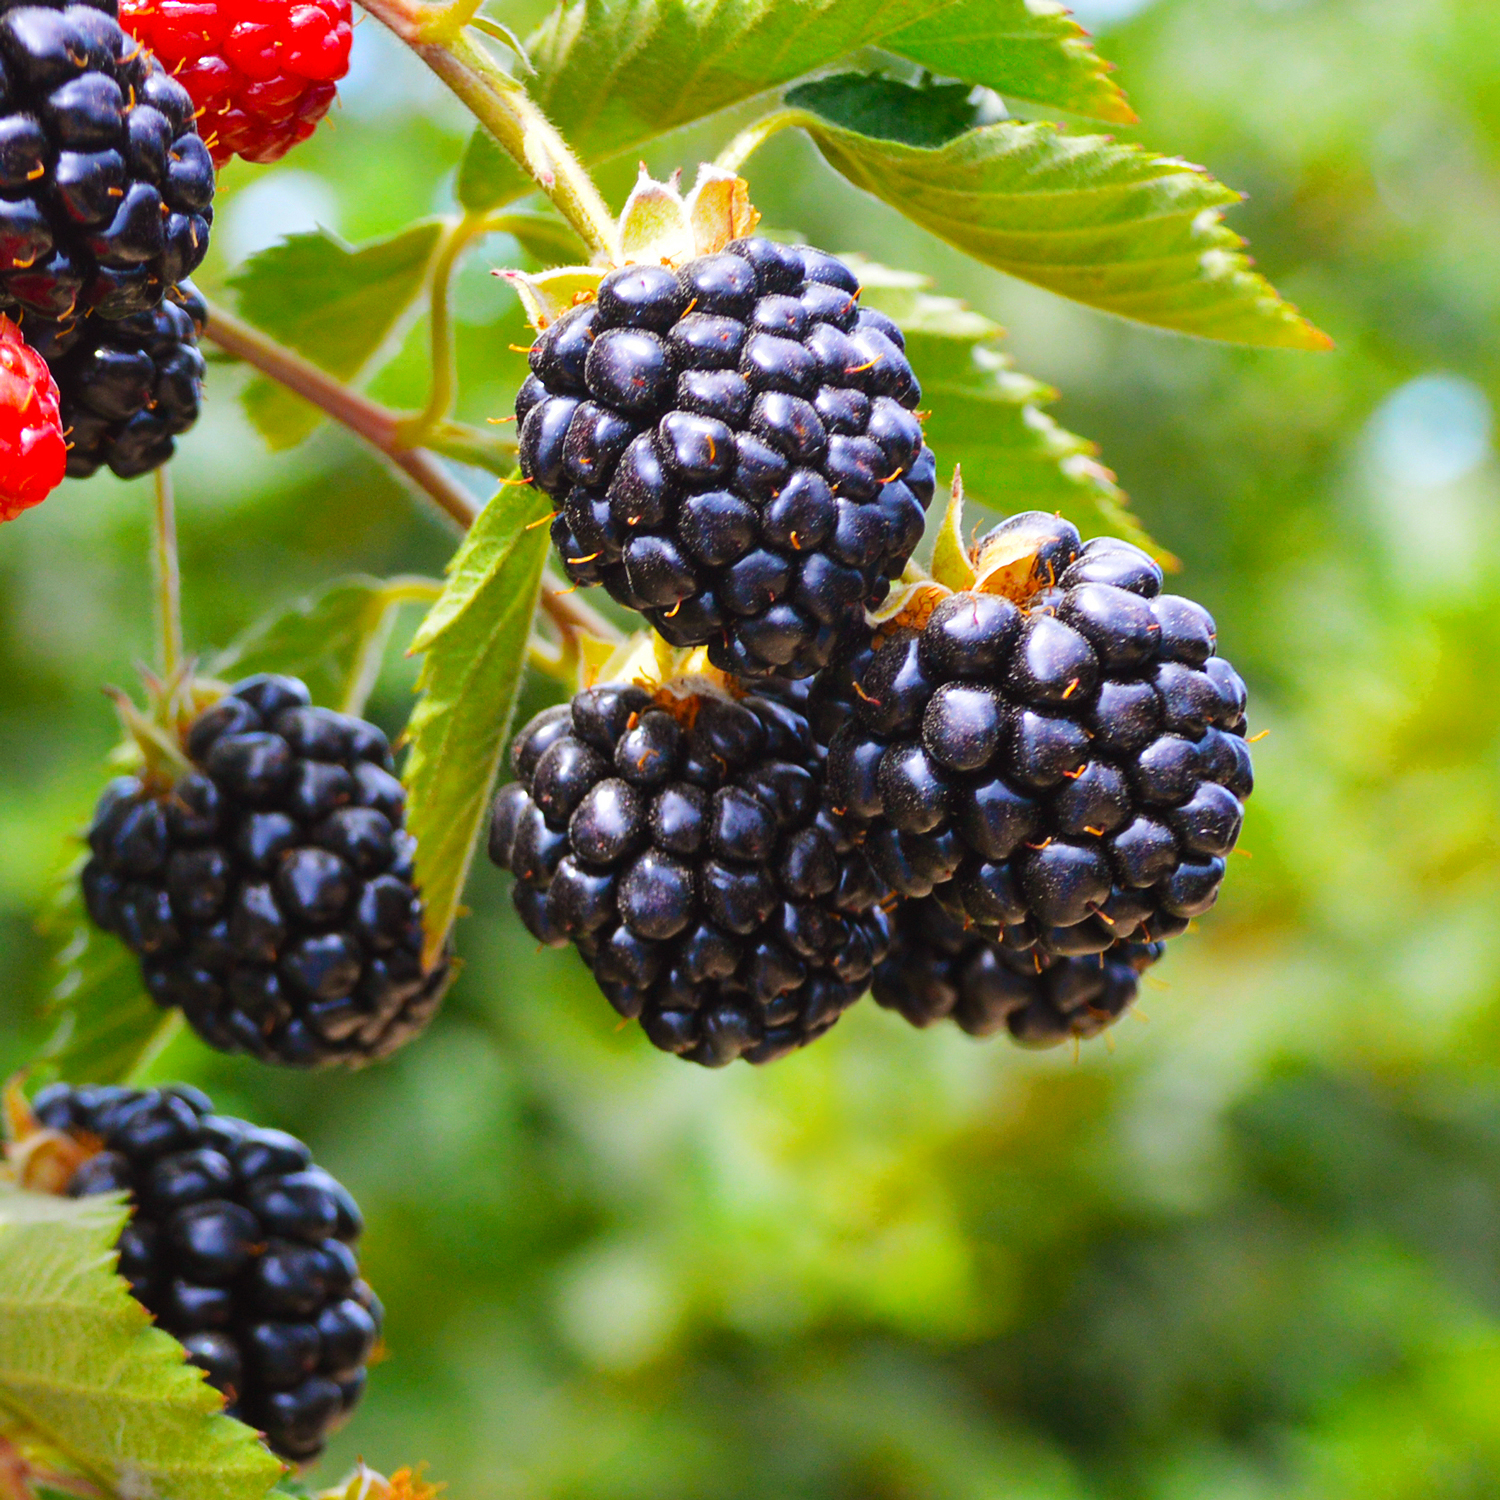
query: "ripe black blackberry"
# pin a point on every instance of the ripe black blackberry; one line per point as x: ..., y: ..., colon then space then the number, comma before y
x: 1071, y: 758
x: 268, y: 891
x: 681, y: 844
x: 734, y: 450
x: 106, y: 190
x: 129, y: 385
x: 938, y: 969
x: 238, y: 1245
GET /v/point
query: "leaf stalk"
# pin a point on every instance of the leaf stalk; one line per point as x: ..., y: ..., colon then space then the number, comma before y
x: 755, y: 135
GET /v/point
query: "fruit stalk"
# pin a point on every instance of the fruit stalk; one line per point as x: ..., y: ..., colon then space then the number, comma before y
x: 436, y: 34
x: 168, y: 575
x: 456, y: 239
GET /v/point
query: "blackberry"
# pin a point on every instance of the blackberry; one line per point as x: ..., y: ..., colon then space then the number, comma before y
x: 268, y: 891
x: 239, y: 1247
x: 940, y: 969
x: 129, y: 386
x: 1071, y: 758
x: 32, y: 452
x: 682, y: 845
x: 262, y: 75
x: 734, y: 450
x: 106, y: 190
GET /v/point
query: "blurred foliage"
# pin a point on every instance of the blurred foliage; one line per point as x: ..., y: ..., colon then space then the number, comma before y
x: 1253, y: 1252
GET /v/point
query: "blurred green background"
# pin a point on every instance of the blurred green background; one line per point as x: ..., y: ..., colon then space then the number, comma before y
x: 1252, y: 1250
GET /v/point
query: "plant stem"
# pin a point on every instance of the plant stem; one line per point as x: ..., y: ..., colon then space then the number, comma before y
x: 437, y: 35
x: 753, y: 137
x: 414, y: 431
x: 168, y: 575
x: 474, y: 447
x: 378, y: 425
x: 571, y: 615
x: 450, y: 497
x: 380, y: 428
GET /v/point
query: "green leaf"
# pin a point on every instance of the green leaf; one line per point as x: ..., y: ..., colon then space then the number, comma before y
x: 336, y: 304
x: 474, y: 645
x: 988, y: 419
x: 108, y: 1027
x: 613, y: 76
x: 487, y: 176
x: 82, y: 1368
x: 333, y: 641
x: 1112, y: 226
x: 876, y: 106
x: 1024, y: 49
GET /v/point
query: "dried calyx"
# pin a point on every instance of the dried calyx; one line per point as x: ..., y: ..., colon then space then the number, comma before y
x: 35, y: 1157
x: 658, y: 226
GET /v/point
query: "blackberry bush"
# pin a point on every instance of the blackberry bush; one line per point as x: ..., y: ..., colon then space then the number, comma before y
x: 129, y: 386
x: 941, y: 968
x: 32, y: 450
x: 237, y: 1245
x: 679, y: 840
x: 1058, y: 740
x: 106, y: 188
x: 721, y: 430
x: 268, y: 889
x: 262, y: 76
x: 734, y: 451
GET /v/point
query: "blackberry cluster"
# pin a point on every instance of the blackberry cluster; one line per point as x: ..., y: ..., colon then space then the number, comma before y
x: 263, y: 75
x: 683, y: 846
x: 129, y: 386
x: 106, y: 190
x: 1074, y: 764
x: 240, y: 1248
x: 734, y: 450
x: 268, y: 892
x: 939, y: 968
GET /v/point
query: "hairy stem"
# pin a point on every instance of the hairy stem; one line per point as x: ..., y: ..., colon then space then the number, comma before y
x: 168, y: 575
x: 438, y: 36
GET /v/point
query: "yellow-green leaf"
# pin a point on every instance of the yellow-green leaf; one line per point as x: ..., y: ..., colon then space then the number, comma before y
x: 338, y: 305
x: 82, y: 1368
x: 474, y: 650
x: 1025, y: 49
x: 1110, y: 225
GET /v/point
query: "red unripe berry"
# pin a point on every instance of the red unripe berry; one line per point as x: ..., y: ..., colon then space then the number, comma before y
x: 33, y: 454
x: 262, y: 72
